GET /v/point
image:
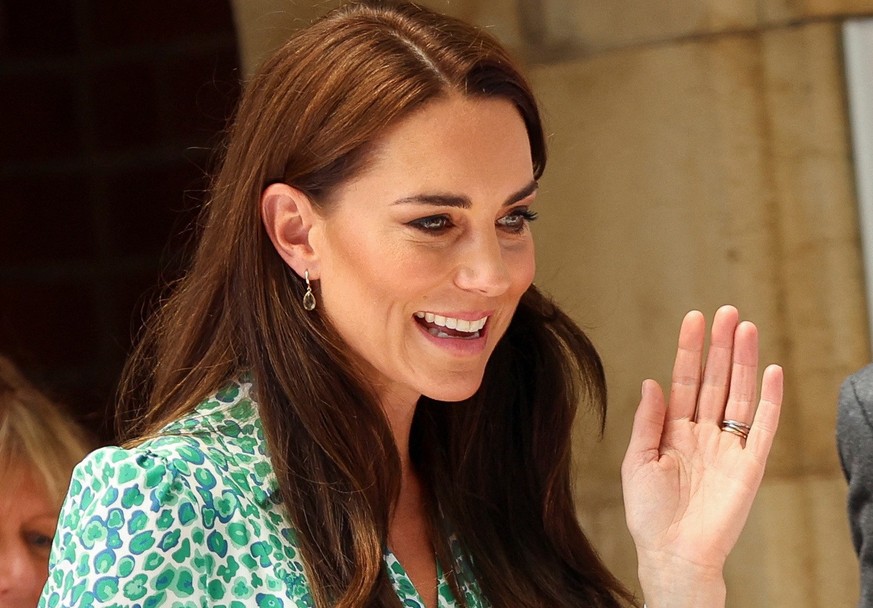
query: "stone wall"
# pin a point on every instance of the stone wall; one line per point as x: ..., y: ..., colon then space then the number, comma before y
x: 699, y: 156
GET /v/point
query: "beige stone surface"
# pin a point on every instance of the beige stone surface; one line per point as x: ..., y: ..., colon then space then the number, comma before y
x: 500, y: 17
x: 836, y: 568
x: 656, y: 202
x: 698, y: 173
x: 783, y: 11
x: 547, y: 30
x: 820, y: 251
x: 262, y: 25
x: 805, y: 97
x: 607, y: 531
x: 771, y: 561
x: 593, y: 25
x: 795, y: 550
x: 577, y: 27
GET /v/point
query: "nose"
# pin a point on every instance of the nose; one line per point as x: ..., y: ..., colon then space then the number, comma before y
x: 483, y: 268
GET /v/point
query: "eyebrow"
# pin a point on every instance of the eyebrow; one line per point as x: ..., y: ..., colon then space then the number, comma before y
x: 463, y: 202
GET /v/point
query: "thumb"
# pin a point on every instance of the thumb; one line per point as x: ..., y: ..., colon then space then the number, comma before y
x: 648, y: 426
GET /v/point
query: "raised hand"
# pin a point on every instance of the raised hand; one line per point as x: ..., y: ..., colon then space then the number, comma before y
x: 688, y: 483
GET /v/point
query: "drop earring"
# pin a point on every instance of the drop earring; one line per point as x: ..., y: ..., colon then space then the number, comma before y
x: 308, y: 297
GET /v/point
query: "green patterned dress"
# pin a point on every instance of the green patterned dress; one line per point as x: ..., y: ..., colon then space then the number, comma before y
x: 192, y: 519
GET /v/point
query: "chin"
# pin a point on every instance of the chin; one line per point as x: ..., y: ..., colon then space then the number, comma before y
x: 453, y: 392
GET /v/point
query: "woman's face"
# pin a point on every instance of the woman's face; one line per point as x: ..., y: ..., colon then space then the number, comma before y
x: 28, y: 518
x: 424, y: 256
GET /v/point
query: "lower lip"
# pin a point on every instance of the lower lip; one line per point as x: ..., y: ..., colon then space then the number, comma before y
x: 457, y: 346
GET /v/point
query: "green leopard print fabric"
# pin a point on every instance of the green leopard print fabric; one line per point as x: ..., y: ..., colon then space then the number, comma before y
x: 192, y: 519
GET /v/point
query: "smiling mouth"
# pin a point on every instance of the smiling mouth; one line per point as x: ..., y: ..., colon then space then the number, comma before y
x: 440, y: 326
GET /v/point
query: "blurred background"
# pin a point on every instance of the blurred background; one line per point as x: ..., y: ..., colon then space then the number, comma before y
x: 702, y: 153
x: 108, y: 111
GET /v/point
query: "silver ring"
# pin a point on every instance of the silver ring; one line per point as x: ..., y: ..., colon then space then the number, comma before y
x: 740, y: 429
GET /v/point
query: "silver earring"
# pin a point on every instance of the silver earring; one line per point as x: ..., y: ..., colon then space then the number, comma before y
x: 308, y: 297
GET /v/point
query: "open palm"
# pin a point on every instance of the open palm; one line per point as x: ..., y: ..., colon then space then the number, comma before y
x: 688, y: 484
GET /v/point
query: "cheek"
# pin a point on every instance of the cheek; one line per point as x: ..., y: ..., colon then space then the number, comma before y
x: 30, y: 567
x: 361, y: 280
x: 523, y: 268
x: 379, y: 267
x: 38, y: 569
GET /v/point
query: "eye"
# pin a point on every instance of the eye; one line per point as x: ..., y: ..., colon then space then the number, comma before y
x: 38, y: 541
x: 517, y: 219
x: 433, y: 223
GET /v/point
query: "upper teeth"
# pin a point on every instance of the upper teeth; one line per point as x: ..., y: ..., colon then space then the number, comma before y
x: 453, y: 323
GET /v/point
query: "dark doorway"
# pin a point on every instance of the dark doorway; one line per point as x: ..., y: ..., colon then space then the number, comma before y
x: 108, y: 114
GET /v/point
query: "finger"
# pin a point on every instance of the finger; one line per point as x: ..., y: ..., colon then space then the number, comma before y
x: 717, y: 372
x: 744, y: 374
x: 685, y: 382
x: 648, y: 424
x: 767, y: 416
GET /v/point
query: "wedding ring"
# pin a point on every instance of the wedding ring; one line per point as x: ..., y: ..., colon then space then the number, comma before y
x: 740, y: 429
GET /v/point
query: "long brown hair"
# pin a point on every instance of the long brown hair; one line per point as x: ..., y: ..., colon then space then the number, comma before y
x: 497, y: 465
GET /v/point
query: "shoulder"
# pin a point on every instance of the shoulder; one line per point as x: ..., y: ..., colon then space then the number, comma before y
x: 218, y: 451
x: 117, y: 486
x: 226, y: 421
x: 859, y: 386
x: 855, y: 425
x: 187, y: 515
x: 856, y: 399
x: 126, y: 513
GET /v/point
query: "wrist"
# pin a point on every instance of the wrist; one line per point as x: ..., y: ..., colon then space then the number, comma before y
x: 669, y: 581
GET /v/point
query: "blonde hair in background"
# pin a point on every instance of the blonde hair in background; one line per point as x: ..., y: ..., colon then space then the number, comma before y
x: 35, y: 433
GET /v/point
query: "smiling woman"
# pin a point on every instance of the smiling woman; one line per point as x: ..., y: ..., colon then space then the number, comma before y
x: 443, y: 205
x: 356, y: 396
x: 39, y: 447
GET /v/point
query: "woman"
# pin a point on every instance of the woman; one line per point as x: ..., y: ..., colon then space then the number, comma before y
x: 39, y: 446
x: 385, y: 400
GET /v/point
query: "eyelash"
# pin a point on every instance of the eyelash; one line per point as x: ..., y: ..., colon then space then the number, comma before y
x: 39, y: 541
x: 426, y: 224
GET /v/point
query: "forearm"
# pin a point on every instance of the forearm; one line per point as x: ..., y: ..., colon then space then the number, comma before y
x: 670, y: 582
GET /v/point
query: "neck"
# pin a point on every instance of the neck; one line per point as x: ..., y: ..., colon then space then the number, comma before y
x: 410, y: 535
x: 400, y: 412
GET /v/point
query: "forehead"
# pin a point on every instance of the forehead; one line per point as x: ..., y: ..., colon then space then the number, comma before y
x: 23, y: 492
x: 480, y: 123
x: 453, y: 143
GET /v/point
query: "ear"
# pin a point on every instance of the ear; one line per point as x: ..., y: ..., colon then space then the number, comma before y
x: 289, y: 217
